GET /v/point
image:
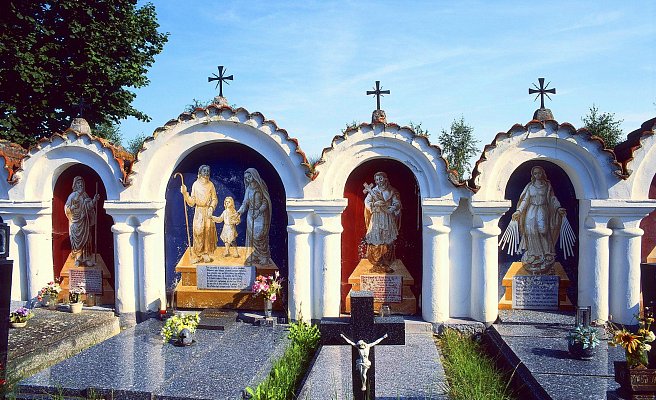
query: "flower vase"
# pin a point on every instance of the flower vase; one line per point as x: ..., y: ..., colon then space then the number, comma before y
x: 268, y: 305
x: 76, y: 308
x: 18, y: 324
x: 577, y: 351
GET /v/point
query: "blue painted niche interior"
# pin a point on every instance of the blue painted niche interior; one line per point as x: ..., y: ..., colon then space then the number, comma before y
x: 227, y: 162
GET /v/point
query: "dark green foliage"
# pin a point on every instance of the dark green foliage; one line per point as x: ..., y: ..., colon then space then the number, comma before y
x: 287, y: 372
x: 108, y: 130
x: 458, y: 145
x: 195, y: 103
x: 54, y: 53
x: 603, y: 125
x: 134, y: 145
x: 352, y: 125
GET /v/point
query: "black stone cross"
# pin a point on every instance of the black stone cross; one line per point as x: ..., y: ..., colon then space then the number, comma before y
x: 542, y: 91
x: 363, y: 326
x: 6, y: 267
x: 220, y: 78
x: 378, y: 93
x: 81, y: 106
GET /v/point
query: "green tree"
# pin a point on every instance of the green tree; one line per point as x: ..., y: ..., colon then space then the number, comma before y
x: 458, y: 145
x: 351, y: 125
x: 54, y: 53
x: 108, y: 130
x: 195, y: 103
x: 603, y: 125
x: 134, y: 145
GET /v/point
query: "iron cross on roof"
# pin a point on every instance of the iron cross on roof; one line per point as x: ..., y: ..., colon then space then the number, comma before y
x: 220, y: 78
x: 81, y: 106
x: 542, y: 91
x: 378, y: 93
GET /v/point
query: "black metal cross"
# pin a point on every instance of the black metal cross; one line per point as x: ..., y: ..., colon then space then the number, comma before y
x: 363, y: 326
x: 220, y: 78
x: 542, y: 91
x: 378, y: 93
x: 81, y: 106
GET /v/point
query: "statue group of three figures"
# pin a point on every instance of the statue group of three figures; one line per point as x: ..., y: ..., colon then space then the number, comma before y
x: 256, y: 205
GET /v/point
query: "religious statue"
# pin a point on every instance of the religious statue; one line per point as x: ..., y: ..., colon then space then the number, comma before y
x: 363, y: 364
x: 203, y: 197
x: 382, y: 217
x: 258, y: 219
x: 230, y: 219
x: 80, y: 210
x: 538, y: 222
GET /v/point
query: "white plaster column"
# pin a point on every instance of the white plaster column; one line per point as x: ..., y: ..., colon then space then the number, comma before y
x: 485, y: 259
x: 19, y: 289
x: 152, y: 266
x: 593, y: 268
x: 299, y: 260
x: 327, y: 271
x: 38, y: 244
x: 624, y: 285
x: 125, y: 270
x: 435, y: 289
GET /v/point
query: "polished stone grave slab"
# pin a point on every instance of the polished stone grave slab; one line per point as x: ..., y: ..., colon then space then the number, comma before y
x: 410, y: 371
x: 533, y: 344
x: 137, y: 364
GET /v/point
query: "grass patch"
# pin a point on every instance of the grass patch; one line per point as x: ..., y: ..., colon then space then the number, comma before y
x: 471, y: 373
x: 287, y: 372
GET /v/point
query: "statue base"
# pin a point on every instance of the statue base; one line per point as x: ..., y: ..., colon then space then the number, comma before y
x: 107, y: 296
x: 392, y: 289
x: 228, y: 271
x: 517, y: 269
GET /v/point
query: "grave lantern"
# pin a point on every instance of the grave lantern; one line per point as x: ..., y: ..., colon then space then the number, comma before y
x: 583, y: 316
x: 4, y: 241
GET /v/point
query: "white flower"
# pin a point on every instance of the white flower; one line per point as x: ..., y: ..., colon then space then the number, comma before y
x: 650, y: 337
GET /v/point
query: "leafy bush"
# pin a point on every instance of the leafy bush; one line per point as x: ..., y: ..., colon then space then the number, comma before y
x: 287, y: 372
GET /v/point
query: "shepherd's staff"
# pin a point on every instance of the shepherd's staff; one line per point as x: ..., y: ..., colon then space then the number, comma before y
x: 184, y: 204
x: 95, y: 229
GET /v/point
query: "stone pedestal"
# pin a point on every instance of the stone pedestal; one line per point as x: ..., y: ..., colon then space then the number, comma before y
x: 408, y: 303
x: 107, y: 296
x: 188, y: 295
x: 516, y: 269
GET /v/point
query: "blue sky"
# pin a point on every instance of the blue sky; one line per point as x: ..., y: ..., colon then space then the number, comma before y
x: 307, y: 65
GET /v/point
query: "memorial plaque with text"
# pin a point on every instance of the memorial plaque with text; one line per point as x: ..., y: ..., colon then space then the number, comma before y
x: 224, y: 277
x: 88, y: 278
x: 386, y: 288
x: 535, y: 292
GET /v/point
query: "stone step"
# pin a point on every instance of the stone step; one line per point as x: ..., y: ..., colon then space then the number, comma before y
x: 53, y: 335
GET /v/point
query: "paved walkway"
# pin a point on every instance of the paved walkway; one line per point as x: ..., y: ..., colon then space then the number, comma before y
x: 411, y: 371
x: 137, y: 364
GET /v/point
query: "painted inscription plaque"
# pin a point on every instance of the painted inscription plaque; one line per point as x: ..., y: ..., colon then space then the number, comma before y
x: 386, y: 288
x: 535, y: 292
x: 224, y: 277
x: 88, y: 278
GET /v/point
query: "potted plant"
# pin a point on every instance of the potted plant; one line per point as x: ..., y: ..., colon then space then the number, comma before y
x: 581, y: 341
x: 19, y: 318
x: 75, y: 298
x: 180, y: 328
x: 633, y: 374
x: 49, y: 293
x: 269, y: 287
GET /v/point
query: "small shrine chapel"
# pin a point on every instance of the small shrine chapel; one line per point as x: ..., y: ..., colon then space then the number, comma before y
x: 550, y: 220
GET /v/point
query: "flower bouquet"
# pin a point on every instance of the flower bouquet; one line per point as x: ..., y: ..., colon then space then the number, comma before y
x: 20, y: 317
x: 633, y: 375
x: 269, y: 287
x: 75, y: 298
x: 48, y: 294
x: 180, y: 329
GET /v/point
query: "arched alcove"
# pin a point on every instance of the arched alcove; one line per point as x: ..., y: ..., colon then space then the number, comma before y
x: 227, y: 162
x: 648, y: 225
x: 566, y: 195
x: 409, y: 241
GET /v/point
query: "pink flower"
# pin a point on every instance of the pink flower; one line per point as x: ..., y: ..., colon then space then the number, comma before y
x: 273, y: 297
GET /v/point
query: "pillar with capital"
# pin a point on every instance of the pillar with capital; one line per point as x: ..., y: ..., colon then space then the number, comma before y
x: 327, y: 259
x: 38, y: 245
x: 300, y: 260
x: 594, y: 267
x: 125, y: 269
x: 151, y: 266
x: 485, y: 259
x: 435, y: 273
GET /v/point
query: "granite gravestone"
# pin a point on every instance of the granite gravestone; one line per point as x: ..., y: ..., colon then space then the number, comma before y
x: 6, y: 267
x: 363, y: 326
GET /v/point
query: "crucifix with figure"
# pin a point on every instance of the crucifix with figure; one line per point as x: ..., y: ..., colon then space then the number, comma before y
x: 220, y: 78
x: 363, y: 332
x: 542, y: 91
x: 378, y: 93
